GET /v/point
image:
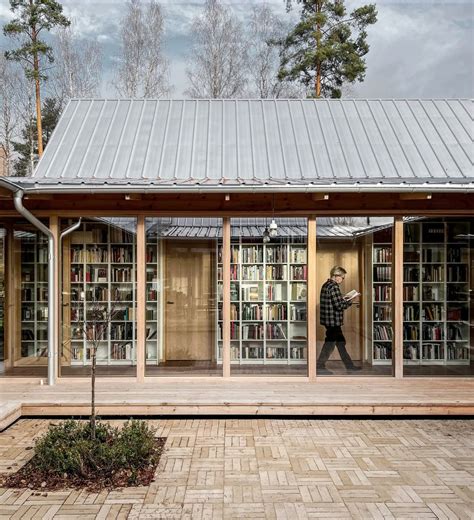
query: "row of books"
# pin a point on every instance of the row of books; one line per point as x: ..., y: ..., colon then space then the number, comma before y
x: 411, y: 312
x: 275, y: 331
x: 456, y: 254
x: 276, y: 312
x: 432, y: 351
x: 383, y: 332
x: 299, y: 272
x: 382, y: 293
x: 433, y: 273
x: 382, y: 254
x: 382, y: 313
x: 28, y: 294
x: 122, y: 274
x: 456, y: 352
x: 250, y: 255
x: 121, y: 255
x: 276, y: 272
x: 411, y: 352
x: 411, y: 332
x: 433, y: 312
x: 298, y: 255
x: 433, y: 332
x: 276, y: 254
x: 120, y: 351
x: 382, y: 274
x: 411, y: 274
x: 89, y: 255
x: 252, y: 312
x: 382, y: 351
x: 252, y: 272
x: 121, y: 331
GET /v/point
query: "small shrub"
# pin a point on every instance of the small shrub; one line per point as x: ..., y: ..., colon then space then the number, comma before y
x: 116, y: 457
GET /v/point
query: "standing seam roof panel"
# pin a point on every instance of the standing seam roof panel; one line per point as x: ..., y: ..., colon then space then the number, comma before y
x: 69, y: 138
x: 257, y: 142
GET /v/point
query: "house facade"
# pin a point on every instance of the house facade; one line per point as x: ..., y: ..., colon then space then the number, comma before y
x: 191, y: 238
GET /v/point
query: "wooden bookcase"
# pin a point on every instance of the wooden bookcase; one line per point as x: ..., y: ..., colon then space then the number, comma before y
x: 33, y: 295
x: 436, y: 283
x: 154, y: 301
x: 102, y: 275
x: 268, y: 302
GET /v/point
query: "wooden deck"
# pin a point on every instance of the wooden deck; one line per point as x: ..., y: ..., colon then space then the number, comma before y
x: 240, y: 396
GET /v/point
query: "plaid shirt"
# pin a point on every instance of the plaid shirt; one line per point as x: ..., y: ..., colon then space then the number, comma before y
x: 332, y: 305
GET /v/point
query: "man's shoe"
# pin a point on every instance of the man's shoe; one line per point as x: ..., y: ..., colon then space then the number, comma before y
x: 354, y: 369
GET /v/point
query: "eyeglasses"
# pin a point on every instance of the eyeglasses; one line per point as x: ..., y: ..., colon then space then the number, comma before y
x: 341, y: 276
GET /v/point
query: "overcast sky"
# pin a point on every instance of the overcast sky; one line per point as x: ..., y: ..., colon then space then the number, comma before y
x: 418, y: 49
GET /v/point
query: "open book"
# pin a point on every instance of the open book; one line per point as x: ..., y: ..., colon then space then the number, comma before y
x: 351, y: 295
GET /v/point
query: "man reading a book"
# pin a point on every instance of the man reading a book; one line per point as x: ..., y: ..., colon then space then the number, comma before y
x: 332, y: 307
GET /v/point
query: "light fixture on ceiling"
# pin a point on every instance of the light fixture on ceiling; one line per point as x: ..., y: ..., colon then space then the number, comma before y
x: 266, y: 236
x: 273, y: 229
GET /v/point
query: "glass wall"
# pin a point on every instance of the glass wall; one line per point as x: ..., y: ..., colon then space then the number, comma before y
x: 3, y: 350
x: 268, y: 296
x: 438, y: 297
x: 353, y: 257
x: 99, y: 297
x: 182, y: 323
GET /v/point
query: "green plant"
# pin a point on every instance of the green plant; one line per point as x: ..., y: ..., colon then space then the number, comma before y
x: 68, y: 449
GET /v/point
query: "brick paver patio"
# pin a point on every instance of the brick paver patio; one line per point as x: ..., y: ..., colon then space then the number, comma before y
x: 275, y: 469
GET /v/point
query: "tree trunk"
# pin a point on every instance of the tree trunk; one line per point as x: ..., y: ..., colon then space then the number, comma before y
x: 317, y: 87
x: 92, y: 419
x: 39, y: 125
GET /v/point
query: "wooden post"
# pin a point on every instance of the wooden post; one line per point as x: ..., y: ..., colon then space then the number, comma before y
x: 226, y: 297
x: 11, y: 326
x: 311, y: 301
x: 141, y: 298
x: 54, y: 227
x: 397, y: 298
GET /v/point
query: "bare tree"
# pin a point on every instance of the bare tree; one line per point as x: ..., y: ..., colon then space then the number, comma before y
x: 9, y: 74
x: 17, y: 105
x: 265, y: 32
x: 142, y: 69
x: 217, y: 64
x: 78, y: 66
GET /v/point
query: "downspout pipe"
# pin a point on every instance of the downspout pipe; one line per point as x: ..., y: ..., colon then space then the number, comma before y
x: 52, y: 308
x: 52, y: 282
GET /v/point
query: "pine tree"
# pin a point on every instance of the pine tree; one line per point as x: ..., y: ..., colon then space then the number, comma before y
x: 326, y: 48
x: 33, y: 17
x: 50, y: 113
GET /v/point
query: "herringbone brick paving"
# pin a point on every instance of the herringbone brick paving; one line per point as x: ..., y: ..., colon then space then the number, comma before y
x: 275, y: 469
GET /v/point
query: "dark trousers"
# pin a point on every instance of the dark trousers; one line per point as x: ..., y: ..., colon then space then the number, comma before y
x: 334, y: 338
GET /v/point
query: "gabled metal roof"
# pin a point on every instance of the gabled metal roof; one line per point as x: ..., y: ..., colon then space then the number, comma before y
x: 249, y: 143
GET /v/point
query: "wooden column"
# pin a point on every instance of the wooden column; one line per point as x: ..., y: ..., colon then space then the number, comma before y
x: 10, y: 326
x: 54, y: 227
x: 311, y: 298
x: 397, y: 298
x: 226, y: 297
x: 141, y: 298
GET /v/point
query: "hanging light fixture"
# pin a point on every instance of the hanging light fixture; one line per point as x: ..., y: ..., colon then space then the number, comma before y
x: 266, y: 236
x: 273, y: 229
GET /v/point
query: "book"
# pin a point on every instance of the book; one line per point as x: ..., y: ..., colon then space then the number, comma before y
x: 351, y: 295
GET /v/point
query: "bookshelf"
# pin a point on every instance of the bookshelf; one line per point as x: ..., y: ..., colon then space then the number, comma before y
x: 34, y: 295
x: 435, y: 294
x: 268, y: 302
x: 103, y: 278
x: 154, y: 308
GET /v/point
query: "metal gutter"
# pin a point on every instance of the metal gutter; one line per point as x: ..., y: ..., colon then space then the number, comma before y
x: 18, y: 193
x: 467, y: 187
